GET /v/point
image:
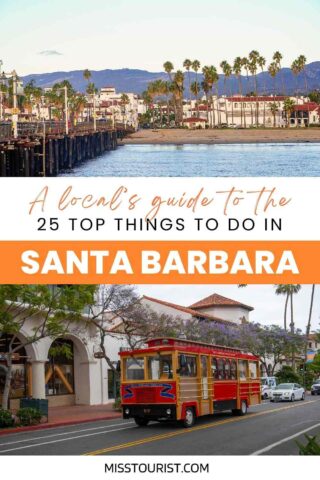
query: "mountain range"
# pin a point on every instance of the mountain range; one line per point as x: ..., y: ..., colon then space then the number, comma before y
x: 136, y: 81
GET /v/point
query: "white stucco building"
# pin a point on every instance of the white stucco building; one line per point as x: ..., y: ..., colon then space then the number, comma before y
x: 85, y: 378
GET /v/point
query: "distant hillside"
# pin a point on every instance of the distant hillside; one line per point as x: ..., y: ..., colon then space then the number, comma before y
x: 136, y: 81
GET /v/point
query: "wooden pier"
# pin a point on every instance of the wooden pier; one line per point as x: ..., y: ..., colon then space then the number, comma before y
x: 37, y: 153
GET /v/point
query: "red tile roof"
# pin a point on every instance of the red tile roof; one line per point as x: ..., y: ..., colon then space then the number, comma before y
x: 189, y: 310
x: 256, y: 99
x: 194, y: 120
x: 306, y: 107
x: 220, y: 301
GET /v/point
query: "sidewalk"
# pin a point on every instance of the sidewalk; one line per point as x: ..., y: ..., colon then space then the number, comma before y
x: 63, y: 416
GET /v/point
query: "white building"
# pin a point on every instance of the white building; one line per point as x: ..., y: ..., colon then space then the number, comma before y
x: 85, y: 378
x: 109, y: 105
x: 241, y: 111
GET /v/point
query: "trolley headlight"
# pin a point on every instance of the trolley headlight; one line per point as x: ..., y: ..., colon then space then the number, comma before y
x: 168, y: 411
x: 127, y: 411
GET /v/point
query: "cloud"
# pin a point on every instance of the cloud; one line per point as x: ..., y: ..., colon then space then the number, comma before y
x: 48, y: 53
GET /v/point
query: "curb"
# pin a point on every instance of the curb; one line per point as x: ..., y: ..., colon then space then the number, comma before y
x: 65, y: 423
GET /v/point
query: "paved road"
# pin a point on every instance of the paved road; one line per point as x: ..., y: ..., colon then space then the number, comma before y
x: 268, y: 429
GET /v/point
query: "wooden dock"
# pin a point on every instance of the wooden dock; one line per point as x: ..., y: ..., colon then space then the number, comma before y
x: 48, y: 153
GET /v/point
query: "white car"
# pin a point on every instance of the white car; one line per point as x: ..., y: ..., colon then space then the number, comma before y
x: 287, y: 392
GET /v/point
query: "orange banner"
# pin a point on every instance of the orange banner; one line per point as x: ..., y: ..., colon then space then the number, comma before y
x: 159, y: 262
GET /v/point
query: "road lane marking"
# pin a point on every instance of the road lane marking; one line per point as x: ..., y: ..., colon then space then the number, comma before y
x: 30, y: 439
x: 64, y: 439
x: 193, y: 429
x: 284, y: 440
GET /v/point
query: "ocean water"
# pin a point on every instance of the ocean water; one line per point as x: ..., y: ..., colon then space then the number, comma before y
x: 240, y: 160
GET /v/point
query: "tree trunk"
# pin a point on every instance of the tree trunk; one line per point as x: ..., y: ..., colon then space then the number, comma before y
x: 285, y: 312
x: 309, y: 320
x: 7, y: 385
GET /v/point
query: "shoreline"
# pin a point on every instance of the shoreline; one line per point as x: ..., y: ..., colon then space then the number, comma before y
x: 222, y: 137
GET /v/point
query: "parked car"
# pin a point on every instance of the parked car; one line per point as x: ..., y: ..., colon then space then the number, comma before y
x: 287, y: 392
x: 315, y: 388
x: 265, y: 392
x: 267, y: 384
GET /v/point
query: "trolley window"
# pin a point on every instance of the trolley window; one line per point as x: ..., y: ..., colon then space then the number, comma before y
x: 243, y: 367
x: 214, y: 368
x: 233, y: 369
x: 253, y: 369
x: 134, y: 368
x: 221, y: 373
x: 187, y: 366
x: 160, y: 367
x: 227, y: 369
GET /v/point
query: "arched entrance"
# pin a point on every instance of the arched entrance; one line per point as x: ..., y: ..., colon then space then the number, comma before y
x: 21, y: 369
x: 59, y: 372
x: 67, y: 370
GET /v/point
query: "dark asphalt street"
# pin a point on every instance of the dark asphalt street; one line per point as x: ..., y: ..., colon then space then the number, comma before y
x: 268, y: 429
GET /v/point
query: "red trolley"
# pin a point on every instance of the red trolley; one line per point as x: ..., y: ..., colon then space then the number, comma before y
x: 174, y: 379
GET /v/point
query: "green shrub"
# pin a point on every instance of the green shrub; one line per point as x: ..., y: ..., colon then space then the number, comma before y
x: 311, y: 448
x: 117, y: 404
x: 29, y: 416
x: 288, y: 375
x: 6, y: 418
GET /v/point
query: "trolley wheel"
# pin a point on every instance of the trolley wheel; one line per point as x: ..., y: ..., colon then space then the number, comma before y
x: 141, y: 422
x: 242, y: 410
x: 190, y: 418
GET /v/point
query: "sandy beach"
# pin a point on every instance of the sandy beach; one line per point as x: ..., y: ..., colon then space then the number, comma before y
x: 181, y: 136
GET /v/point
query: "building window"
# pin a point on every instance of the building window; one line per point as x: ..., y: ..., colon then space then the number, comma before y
x: 59, y: 376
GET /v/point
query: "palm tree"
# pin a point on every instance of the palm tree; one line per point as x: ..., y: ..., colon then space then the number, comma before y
x: 274, y: 109
x: 288, y: 291
x: 301, y: 61
x: 187, y: 65
x: 261, y: 61
x: 309, y: 319
x: 210, y: 78
x: 124, y: 102
x: 87, y: 76
x: 288, y: 107
x: 168, y: 68
x: 178, y: 88
x: 277, y: 57
x: 196, y: 67
x: 246, y: 64
x: 273, y: 69
x: 195, y: 90
x: 237, y: 68
x: 253, y: 66
x: 295, y: 69
x: 227, y: 71
x: 206, y: 89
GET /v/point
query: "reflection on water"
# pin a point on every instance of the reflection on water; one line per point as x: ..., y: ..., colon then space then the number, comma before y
x: 272, y: 160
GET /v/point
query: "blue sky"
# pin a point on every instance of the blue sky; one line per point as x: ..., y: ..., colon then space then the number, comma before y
x: 268, y: 307
x: 42, y: 35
